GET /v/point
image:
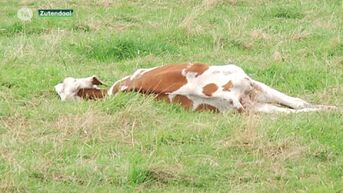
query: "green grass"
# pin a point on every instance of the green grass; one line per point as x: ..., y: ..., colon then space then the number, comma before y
x: 130, y: 143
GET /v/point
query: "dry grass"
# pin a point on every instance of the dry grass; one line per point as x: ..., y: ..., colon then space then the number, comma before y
x: 89, y: 124
x: 300, y: 36
x: 166, y: 174
x: 17, y: 127
x: 259, y: 143
x: 277, y: 57
x: 325, y: 96
x: 206, y: 5
x: 271, y: 156
x: 259, y: 35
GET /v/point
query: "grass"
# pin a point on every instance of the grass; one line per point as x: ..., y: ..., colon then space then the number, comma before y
x: 131, y: 143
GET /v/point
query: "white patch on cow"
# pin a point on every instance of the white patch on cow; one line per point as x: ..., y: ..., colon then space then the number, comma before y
x: 110, y: 91
x: 122, y: 88
x: 171, y: 97
x: 219, y: 99
x: 227, y: 73
x: 188, y: 75
x: 138, y: 73
x: 59, y: 88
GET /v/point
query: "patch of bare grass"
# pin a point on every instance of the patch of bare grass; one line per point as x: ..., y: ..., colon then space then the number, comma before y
x: 160, y: 175
x: 165, y: 175
x: 259, y: 35
x: 16, y: 126
x: 299, y: 36
x: 324, y: 23
x: 277, y: 56
x: 88, y: 124
x: 10, y: 186
x: 259, y: 144
x: 119, y: 125
x: 92, y: 125
x: 328, y: 96
x: 270, y: 155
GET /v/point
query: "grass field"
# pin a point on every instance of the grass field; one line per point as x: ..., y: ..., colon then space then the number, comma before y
x: 131, y: 143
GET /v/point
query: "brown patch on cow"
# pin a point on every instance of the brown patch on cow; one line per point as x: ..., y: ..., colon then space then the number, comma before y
x: 92, y: 93
x: 209, y: 89
x: 207, y: 107
x: 96, y: 81
x: 197, y: 68
x: 184, y: 101
x: 162, y: 97
x: 178, y: 99
x: 164, y: 79
x: 227, y: 86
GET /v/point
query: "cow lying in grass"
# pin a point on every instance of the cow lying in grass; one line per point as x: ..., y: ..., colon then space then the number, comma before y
x: 194, y: 86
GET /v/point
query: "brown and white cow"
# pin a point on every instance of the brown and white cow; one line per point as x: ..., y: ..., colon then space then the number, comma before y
x: 196, y: 87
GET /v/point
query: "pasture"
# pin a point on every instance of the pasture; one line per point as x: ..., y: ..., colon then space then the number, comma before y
x: 131, y: 143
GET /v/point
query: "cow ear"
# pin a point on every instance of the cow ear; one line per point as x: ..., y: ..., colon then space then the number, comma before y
x: 96, y: 81
x: 59, y: 88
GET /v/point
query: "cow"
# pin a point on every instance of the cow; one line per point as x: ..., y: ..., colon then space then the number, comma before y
x: 196, y: 87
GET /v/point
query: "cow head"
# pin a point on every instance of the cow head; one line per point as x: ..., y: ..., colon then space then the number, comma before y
x: 73, y: 88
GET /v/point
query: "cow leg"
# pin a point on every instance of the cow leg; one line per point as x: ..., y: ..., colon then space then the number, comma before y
x: 270, y: 108
x: 266, y: 94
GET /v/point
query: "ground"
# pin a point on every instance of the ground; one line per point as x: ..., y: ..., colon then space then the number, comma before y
x: 130, y: 143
